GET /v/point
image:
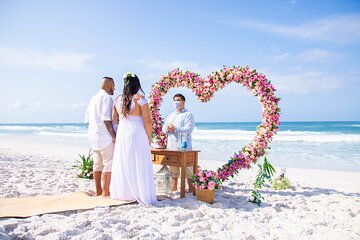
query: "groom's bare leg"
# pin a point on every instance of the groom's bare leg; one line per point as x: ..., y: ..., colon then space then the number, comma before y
x: 97, y: 180
x: 106, y: 186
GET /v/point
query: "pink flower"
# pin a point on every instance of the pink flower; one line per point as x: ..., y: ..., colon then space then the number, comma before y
x: 222, y: 74
x: 208, y: 174
x: 211, y: 185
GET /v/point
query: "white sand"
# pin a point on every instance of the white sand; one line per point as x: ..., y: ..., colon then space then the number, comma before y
x: 323, y: 204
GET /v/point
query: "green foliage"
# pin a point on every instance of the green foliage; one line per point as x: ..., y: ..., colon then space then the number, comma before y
x: 85, y: 166
x: 269, y: 170
x: 266, y: 171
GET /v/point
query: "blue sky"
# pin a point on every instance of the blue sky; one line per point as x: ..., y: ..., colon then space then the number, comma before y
x: 54, y: 53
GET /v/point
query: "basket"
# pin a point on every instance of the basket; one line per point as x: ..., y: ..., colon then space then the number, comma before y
x: 205, y: 195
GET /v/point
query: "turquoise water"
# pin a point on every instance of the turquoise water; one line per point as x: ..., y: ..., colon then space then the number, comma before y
x: 340, y: 127
x: 323, y: 145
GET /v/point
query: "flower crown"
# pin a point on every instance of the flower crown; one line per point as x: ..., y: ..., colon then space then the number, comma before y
x: 128, y: 74
x: 127, y: 78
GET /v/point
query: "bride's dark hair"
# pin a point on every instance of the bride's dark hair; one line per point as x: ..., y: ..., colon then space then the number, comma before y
x: 131, y: 87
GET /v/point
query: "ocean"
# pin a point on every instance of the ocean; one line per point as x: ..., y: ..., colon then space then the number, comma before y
x: 318, y: 145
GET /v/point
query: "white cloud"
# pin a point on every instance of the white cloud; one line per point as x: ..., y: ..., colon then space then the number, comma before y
x: 282, y: 56
x: 157, y: 67
x: 305, y: 82
x: 58, y: 106
x: 26, y: 58
x: 318, y: 54
x: 157, y: 64
x: 39, y: 104
x: 310, y: 55
x: 78, y: 105
x: 299, y: 81
x: 18, y: 104
x: 345, y: 28
x: 234, y: 89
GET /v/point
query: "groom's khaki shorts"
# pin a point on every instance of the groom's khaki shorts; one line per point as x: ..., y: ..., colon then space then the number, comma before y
x: 103, y: 159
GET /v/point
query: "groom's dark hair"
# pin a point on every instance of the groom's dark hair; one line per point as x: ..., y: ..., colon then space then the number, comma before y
x: 108, y: 78
x: 180, y: 96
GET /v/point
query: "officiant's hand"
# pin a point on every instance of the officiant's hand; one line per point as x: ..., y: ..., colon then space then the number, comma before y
x: 170, y: 128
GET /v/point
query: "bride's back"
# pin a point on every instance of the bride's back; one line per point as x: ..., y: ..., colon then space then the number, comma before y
x: 135, y: 109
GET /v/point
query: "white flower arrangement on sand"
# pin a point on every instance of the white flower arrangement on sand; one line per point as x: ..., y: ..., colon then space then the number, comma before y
x: 281, y: 182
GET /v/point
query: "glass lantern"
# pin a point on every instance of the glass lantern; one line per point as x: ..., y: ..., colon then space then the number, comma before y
x: 163, y: 179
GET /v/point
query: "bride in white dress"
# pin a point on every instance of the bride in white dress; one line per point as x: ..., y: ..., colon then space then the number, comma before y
x: 132, y: 175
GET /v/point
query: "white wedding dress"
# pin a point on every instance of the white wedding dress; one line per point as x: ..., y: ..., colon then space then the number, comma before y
x: 132, y: 176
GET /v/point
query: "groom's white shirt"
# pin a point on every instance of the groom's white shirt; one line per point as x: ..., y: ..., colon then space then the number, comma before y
x: 99, y: 110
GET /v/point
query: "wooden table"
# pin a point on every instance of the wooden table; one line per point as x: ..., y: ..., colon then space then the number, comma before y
x: 177, y: 158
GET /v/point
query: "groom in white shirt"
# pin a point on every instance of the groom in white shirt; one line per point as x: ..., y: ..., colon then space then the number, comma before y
x: 179, y: 121
x: 102, y: 135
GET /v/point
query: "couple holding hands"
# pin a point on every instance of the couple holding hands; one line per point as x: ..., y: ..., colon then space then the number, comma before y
x: 120, y: 136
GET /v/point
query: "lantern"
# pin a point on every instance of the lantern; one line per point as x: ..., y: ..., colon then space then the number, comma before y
x: 163, y: 179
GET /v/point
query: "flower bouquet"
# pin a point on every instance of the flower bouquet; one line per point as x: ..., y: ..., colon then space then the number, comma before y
x: 85, y: 166
x: 281, y: 182
x: 205, y: 183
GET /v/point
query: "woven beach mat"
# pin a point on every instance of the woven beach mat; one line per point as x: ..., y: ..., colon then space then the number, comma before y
x: 42, y: 204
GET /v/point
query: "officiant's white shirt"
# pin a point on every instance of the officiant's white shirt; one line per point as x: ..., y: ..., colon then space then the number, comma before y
x: 184, y: 122
x: 99, y: 110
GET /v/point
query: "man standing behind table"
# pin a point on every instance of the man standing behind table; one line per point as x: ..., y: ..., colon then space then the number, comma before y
x: 101, y: 134
x: 179, y: 121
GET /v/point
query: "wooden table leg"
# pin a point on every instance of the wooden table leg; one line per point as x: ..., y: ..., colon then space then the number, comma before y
x: 183, y: 177
x: 195, y: 170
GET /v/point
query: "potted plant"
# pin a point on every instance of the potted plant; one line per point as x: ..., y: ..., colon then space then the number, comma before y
x: 205, y: 183
x: 85, y: 166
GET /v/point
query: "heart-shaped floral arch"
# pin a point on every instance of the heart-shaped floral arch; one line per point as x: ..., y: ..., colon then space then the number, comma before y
x: 204, y: 89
